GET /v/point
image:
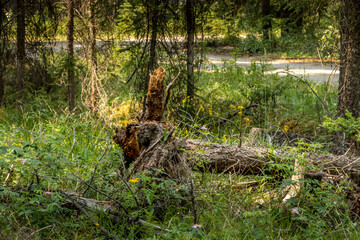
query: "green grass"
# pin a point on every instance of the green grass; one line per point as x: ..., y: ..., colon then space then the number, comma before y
x: 63, y: 151
x: 281, y: 101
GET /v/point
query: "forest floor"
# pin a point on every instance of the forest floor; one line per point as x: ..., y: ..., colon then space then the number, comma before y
x: 54, y: 166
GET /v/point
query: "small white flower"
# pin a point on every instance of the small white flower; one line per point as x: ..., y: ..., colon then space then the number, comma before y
x: 196, y: 226
x: 22, y: 160
x: 295, y: 210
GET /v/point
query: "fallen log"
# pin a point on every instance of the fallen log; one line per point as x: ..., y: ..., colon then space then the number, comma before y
x: 225, y: 158
x: 106, y: 208
x: 176, y: 156
x: 235, y: 159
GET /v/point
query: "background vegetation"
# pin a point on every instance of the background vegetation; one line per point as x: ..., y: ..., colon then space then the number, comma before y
x: 50, y: 147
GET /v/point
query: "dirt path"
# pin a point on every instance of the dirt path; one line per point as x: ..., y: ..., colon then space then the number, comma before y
x: 312, y: 70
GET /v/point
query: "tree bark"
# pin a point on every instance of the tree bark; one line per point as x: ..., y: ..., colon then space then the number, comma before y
x: 266, y: 20
x: 70, y: 51
x: 349, y: 85
x: 339, y: 146
x: 92, y: 28
x: 155, y: 97
x: 349, y: 79
x: 190, y: 26
x: 249, y: 160
x: 20, y: 44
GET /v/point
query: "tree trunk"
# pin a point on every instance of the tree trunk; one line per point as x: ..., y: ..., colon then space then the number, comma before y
x: 2, y: 82
x: 190, y: 26
x: 94, y: 85
x: 266, y: 20
x: 339, y: 146
x: 155, y: 97
x: 70, y: 51
x: 154, y: 15
x: 20, y: 44
x: 349, y: 85
x: 2, y: 53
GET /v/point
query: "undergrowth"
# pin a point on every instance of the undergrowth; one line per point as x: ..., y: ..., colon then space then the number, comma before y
x: 50, y: 152
x: 232, y: 99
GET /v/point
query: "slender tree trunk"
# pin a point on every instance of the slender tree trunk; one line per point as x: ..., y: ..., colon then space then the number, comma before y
x: 2, y: 82
x: 2, y: 54
x: 153, y: 42
x: 339, y: 146
x: 70, y: 50
x: 154, y: 15
x: 190, y: 25
x: 266, y: 20
x: 349, y: 85
x: 20, y: 44
x: 94, y: 85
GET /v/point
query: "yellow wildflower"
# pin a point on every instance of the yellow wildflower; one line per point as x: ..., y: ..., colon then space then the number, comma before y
x: 202, y: 108
x: 134, y: 180
x: 224, y: 138
x: 184, y: 100
x: 210, y: 112
x: 186, y: 131
x: 286, y: 128
x: 246, y: 119
x: 240, y: 112
x: 96, y: 224
x: 232, y: 106
x: 240, y: 107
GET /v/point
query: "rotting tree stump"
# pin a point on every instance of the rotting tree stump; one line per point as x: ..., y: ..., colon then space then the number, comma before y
x: 149, y: 144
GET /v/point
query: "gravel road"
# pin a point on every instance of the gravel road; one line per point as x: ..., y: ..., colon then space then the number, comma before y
x: 312, y: 70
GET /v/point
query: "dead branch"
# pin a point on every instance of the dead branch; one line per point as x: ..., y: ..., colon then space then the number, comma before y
x: 105, y: 207
x: 8, y: 177
x: 168, y: 90
x: 295, y: 186
x: 78, y: 205
x: 242, y: 185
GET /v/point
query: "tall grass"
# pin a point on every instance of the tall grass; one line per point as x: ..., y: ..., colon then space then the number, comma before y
x: 51, y: 151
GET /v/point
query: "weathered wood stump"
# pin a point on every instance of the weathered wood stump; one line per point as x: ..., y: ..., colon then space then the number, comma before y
x: 149, y: 144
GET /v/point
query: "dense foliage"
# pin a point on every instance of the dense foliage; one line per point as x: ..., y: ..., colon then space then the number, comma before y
x: 48, y: 153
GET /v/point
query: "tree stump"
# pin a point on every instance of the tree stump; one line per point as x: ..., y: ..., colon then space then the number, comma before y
x: 149, y: 144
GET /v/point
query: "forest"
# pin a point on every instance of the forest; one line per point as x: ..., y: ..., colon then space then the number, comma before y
x: 179, y: 119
